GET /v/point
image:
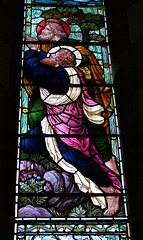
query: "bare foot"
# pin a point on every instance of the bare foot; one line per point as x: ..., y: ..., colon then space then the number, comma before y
x: 111, y: 164
x: 112, y: 201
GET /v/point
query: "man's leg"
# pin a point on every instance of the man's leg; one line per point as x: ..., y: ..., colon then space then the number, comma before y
x: 111, y: 164
x: 86, y: 165
x: 112, y: 201
x: 102, y: 145
x: 89, y: 168
x: 35, y: 143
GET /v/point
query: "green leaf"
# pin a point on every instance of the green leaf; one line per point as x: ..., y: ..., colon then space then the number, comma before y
x: 32, y: 186
x: 56, y: 213
x: 75, y: 19
x: 97, y: 37
x: 97, y: 19
x: 34, y: 157
x: 89, y: 26
x: 92, y: 210
x: 78, y: 212
x: 34, y: 201
x: 52, y: 13
x: 67, y: 9
x: 49, y: 165
x: 80, y: 14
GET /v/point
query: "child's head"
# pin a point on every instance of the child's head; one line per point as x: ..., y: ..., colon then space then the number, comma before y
x: 63, y: 57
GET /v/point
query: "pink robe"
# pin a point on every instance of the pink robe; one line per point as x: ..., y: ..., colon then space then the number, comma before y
x: 69, y: 120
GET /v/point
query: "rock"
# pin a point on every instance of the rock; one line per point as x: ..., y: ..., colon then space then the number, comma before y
x: 30, y: 211
x: 57, y: 182
x: 29, y: 165
x: 56, y: 179
x: 62, y: 183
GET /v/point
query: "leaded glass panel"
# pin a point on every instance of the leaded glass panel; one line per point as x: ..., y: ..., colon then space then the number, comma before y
x: 70, y: 176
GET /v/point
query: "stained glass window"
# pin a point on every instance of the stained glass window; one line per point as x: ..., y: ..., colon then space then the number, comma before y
x: 70, y: 178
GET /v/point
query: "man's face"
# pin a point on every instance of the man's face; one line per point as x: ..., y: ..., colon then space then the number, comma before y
x: 47, y: 34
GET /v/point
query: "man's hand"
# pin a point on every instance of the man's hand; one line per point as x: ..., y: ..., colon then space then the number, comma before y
x: 32, y: 46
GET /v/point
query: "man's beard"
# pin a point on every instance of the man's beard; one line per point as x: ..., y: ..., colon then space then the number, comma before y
x: 48, y: 37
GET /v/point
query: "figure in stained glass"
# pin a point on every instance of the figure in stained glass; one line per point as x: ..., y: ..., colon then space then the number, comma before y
x: 86, y: 21
x: 69, y: 179
x: 69, y: 110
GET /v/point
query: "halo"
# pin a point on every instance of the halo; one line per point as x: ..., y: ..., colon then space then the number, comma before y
x: 42, y: 24
x: 78, y: 55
